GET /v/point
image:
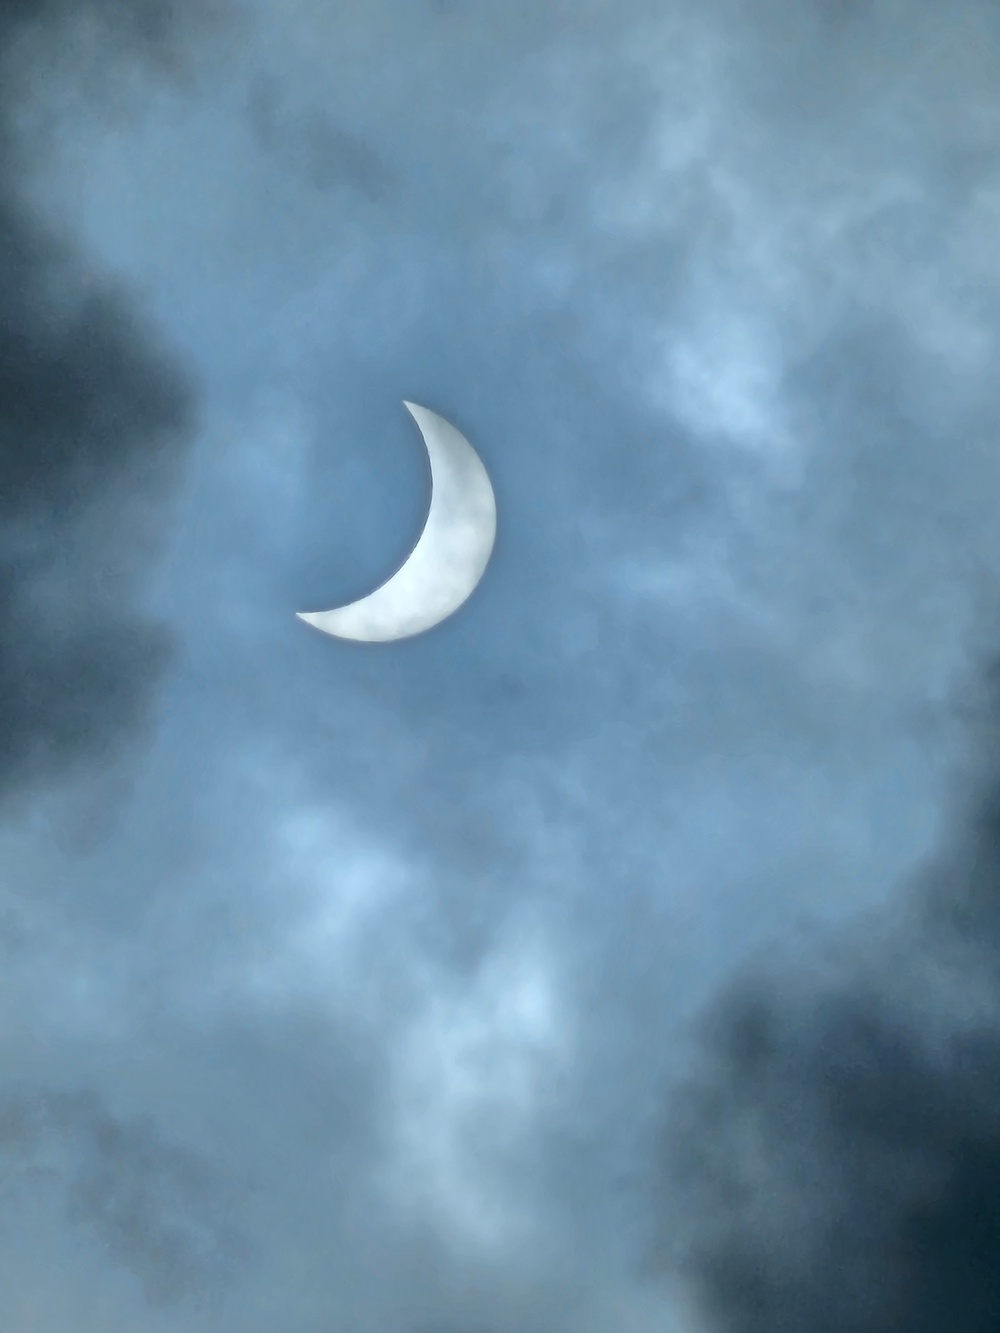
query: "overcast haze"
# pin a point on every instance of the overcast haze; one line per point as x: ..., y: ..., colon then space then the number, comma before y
x: 622, y: 954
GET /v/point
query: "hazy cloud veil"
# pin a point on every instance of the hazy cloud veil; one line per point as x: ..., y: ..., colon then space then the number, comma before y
x: 623, y: 953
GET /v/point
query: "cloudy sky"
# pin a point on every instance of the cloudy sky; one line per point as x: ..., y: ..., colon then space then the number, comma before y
x: 621, y: 955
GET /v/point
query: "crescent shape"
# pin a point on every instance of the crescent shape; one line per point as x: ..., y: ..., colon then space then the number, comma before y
x: 450, y: 556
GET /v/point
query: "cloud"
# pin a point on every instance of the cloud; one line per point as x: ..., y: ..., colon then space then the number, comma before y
x: 681, y: 353
x: 834, y: 1162
x: 155, y: 1208
x: 314, y: 148
x: 94, y: 417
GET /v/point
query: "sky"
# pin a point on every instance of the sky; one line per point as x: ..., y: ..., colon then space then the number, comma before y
x: 623, y: 954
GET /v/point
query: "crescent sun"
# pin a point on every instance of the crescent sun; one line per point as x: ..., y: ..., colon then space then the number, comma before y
x: 451, y: 554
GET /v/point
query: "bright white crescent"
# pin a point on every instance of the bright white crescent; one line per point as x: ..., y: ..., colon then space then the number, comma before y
x: 450, y: 556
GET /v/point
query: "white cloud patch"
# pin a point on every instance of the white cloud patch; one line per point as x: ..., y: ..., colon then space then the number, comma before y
x: 475, y: 1071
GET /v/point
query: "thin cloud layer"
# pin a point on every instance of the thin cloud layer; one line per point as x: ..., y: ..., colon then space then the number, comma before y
x: 153, y: 1207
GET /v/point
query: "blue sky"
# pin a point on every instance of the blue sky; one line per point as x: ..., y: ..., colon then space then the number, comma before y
x: 346, y: 985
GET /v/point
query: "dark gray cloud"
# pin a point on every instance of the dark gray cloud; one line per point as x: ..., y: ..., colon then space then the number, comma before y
x: 94, y: 416
x: 834, y: 1164
x: 832, y: 1160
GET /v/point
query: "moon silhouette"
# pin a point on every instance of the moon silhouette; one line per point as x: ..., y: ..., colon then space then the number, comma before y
x: 450, y: 556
